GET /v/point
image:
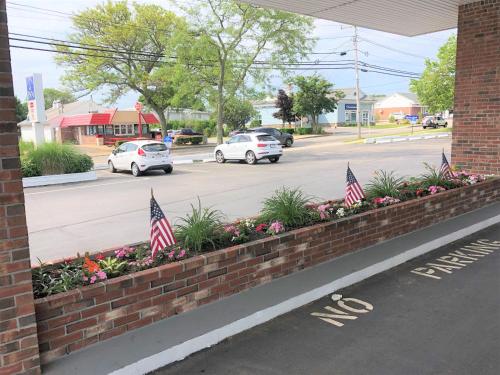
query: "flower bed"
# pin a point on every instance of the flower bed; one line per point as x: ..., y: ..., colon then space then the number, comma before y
x: 80, y: 317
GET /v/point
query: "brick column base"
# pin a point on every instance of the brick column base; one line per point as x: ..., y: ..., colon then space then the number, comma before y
x: 18, y: 331
x: 476, y: 122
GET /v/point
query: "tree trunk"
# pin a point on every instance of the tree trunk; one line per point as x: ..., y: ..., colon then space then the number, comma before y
x: 314, y: 123
x: 220, y: 104
x: 163, y: 121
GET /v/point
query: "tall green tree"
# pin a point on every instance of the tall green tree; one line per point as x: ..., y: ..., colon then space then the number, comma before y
x: 234, y: 40
x: 21, y: 110
x: 237, y: 112
x: 436, y: 87
x: 51, y: 95
x: 315, y: 96
x: 285, y: 112
x: 134, y: 46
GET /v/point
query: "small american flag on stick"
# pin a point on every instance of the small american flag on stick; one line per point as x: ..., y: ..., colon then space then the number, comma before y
x: 353, y: 190
x: 162, y: 234
x: 445, y: 167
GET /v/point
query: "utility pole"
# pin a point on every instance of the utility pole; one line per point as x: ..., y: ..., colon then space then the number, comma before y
x: 356, y: 68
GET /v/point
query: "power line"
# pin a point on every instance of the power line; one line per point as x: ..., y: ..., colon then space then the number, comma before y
x: 393, y: 49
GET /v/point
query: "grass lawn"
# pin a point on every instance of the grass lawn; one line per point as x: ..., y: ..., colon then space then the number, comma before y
x: 403, y: 134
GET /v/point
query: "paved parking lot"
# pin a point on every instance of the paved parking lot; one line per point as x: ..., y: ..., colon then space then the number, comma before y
x: 398, y: 322
x: 114, y: 210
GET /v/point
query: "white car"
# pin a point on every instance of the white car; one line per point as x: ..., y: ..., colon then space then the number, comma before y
x: 140, y: 156
x: 250, y: 147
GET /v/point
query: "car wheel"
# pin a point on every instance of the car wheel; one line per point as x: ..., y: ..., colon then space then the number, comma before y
x: 169, y: 169
x: 250, y: 157
x: 445, y: 124
x: 288, y: 143
x: 219, y: 157
x: 425, y: 127
x: 274, y: 160
x: 111, y: 167
x: 136, y: 172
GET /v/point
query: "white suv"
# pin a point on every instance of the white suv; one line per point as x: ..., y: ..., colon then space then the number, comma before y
x: 140, y: 156
x: 250, y: 147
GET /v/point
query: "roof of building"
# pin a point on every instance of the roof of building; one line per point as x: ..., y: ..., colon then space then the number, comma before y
x: 114, y: 117
x: 398, y: 17
x: 395, y: 98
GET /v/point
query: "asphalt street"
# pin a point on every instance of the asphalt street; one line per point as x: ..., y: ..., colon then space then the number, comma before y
x: 404, y: 323
x: 114, y: 210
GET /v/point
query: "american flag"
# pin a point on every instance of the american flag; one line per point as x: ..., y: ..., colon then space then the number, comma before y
x: 161, y: 231
x: 353, y: 190
x: 445, y: 167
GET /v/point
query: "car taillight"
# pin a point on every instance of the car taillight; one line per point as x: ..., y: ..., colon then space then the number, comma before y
x: 141, y: 152
x: 261, y: 145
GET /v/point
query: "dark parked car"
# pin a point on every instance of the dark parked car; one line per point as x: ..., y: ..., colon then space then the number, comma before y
x: 284, y: 138
x: 238, y: 131
x: 187, y: 131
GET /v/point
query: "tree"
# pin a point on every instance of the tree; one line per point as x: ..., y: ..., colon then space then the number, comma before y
x: 52, y: 95
x: 285, y: 104
x: 133, y: 50
x: 315, y: 96
x: 237, y: 112
x: 21, y: 110
x: 234, y: 37
x: 436, y: 87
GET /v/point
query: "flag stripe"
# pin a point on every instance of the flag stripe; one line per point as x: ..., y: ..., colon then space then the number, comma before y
x: 353, y: 190
x: 161, y: 231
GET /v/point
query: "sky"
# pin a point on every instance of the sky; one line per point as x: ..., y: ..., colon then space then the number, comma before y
x: 389, y: 50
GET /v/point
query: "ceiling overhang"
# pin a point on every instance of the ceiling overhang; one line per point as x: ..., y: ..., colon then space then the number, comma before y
x: 403, y: 17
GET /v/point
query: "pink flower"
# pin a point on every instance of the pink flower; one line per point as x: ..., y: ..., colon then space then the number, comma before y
x: 101, y: 275
x: 435, y: 189
x: 275, y: 228
x: 232, y: 229
x: 93, y: 279
x: 171, y: 254
x: 181, y: 254
x: 378, y: 200
x: 124, y: 252
x: 323, y: 211
x: 85, y: 278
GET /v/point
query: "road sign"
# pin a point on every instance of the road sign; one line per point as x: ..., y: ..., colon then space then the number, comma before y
x: 36, y: 102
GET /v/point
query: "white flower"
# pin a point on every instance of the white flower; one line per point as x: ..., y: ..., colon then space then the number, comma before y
x: 340, y: 212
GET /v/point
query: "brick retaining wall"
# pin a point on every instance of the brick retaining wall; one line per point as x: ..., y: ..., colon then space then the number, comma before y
x: 73, y: 320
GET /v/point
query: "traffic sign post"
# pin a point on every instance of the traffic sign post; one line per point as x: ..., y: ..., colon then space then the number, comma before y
x: 138, y: 107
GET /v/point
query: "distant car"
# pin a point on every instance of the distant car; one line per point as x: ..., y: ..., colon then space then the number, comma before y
x: 398, y: 116
x: 187, y: 131
x: 250, y: 147
x: 239, y: 131
x: 140, y: 156
x: 434, y: 122
x: 285, y: 139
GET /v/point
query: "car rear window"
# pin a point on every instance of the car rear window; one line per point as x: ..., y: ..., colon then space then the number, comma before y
x: 154, y: 147
x: 265, y: 138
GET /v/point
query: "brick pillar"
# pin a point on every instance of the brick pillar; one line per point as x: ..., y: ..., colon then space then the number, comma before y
x: 476, y: 122
x: 18, y: 335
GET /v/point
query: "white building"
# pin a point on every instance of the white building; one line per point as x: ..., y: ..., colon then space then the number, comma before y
x: 57, y: 111
x: 398, y: 104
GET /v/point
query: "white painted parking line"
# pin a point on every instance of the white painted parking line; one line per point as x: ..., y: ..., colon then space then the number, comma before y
x: 457, y: 259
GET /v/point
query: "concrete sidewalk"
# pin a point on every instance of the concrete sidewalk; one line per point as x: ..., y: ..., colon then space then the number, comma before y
x: 171, y: 340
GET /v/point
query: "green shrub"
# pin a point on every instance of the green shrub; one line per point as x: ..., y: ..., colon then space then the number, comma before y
x: 200, y: 229
x: 55, y: 158
x: 288, y: 206
x: 184, y: 140
x: 433, y: 177
x: 207, y: 127
x: 392, y: 119
x: 288, y: 130
x: 29, y: 168
x: 25, y: 147
x: 255, y: 123
x: 384, y: 184
x: 304, y: 131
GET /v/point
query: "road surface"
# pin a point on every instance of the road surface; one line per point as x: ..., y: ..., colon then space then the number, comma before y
x: 114, y: 210
x: 404, y: 323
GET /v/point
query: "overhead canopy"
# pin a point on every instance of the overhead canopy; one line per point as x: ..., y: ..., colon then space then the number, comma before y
x: 404, y: 17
